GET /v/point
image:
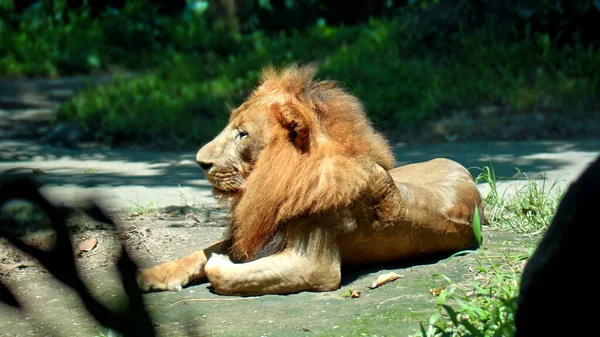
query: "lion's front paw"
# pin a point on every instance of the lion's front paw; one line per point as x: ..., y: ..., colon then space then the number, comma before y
x: 162, y: 277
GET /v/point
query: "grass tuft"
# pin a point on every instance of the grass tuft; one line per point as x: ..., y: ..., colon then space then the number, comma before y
x: 484, y: 307
x: 138, y: 209
x: 522, y: 208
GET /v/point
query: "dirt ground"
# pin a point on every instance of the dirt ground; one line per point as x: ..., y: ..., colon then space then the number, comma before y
x: 395, y: 309
x: 163, y: 209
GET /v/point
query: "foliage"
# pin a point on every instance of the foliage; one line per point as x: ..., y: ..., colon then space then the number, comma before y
x: 47, y: 39
x: 486, y: 307
x: 383, y: 62
x: 39, y: 44
x: 406, y: 67
x: 527, y: 208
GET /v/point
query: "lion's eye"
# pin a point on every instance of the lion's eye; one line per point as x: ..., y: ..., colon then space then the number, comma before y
x: 241, y: 135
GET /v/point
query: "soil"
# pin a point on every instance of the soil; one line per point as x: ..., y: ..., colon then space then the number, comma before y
x: 183, y: 218
x: 394, y: 309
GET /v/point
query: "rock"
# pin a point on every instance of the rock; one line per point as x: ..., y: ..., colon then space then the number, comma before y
x: 21, y: 217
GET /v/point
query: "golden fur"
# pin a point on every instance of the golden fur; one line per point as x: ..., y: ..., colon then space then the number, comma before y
x: 333, y: 146
x: 312, y: 187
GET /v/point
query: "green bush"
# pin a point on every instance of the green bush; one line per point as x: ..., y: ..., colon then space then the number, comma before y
x: 39, y: 44
x: 50, y: 39
x: 191, y: 70
x: 384, y: 62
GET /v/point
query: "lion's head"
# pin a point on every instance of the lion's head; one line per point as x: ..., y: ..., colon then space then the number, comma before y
x: 295, y: 147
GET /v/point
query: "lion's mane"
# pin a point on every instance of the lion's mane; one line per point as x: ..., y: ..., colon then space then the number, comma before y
x: 319, y: 157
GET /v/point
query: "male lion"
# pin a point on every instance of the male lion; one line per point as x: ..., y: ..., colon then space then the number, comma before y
x: 312, y: 187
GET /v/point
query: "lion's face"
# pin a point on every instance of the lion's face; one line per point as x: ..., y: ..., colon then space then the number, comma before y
x: 229, y: 158
x: 295, y: 147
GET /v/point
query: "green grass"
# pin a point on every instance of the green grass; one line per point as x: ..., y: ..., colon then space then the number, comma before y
x: 486, y: 305
x: 522, y: 208
x: 191, y: 72
x: 185, y: 99
x: 138, y: 209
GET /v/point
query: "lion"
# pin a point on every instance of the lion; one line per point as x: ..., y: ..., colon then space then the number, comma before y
x: 312, y: 188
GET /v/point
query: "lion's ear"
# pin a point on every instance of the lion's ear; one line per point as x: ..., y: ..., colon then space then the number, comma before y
x: 295, y: 122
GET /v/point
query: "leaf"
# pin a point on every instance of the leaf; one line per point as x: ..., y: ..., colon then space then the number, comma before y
x: 462, y: 252
x: 355, y: 294
x: 437, y: 291
x: 464, y: 306
x: 472, y: 329
x: 346, y: 293
x: 597, y: 5
x: 481, y: 314
x: 451, y: 313
x: 434, y: 318
x: 477, y: 225
x: 442, y: 297
x: 385, y: 278
x: 446, y: 278
x: 20, y: 265
x: 87, y: 245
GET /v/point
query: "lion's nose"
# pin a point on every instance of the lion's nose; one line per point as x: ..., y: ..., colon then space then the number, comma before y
x: 205, y: 166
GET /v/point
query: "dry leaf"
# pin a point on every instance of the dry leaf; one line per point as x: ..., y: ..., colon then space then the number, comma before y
x: 87, y: 245
x: 194, y: 217
x: 11, y: 266
x: 355, y: 294
x: 436, y: 291
x: 385, y: 278
x: 348, y: 293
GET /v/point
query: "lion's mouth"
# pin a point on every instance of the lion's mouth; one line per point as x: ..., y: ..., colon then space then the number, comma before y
x: 226, y: 195
x: 226, y: 186
x: 231, y: 185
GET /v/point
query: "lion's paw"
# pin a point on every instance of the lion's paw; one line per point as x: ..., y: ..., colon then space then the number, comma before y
x: 162, y: 277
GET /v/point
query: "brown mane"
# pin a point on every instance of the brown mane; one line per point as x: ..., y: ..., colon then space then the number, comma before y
x: 318, y: 156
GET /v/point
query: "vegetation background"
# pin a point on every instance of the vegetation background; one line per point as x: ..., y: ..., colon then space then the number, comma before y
x: 426, y: 70
x: 468, y: 65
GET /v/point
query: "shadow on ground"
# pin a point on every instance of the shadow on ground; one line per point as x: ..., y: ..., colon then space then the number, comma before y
x: 118, y: 167
x: 26, y: 105
x: 121, y: 176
